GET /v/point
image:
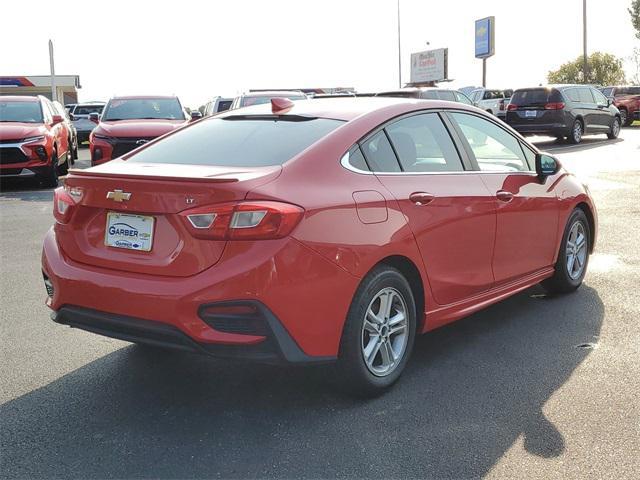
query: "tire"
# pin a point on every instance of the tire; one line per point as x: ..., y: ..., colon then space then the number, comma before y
x: 615, y: 128
x: 366, y: 379
x: 577, y: 130
x: 64, y: 168
x: 50, y: 177
x: 567, y: 279
x: 625, y: 119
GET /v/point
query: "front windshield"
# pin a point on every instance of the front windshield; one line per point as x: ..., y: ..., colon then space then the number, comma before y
x: 26, y: 112
x: 143, y: 108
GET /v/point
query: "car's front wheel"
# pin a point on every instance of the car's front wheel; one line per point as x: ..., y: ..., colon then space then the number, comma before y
x: 50, y: 177
x: 379, y: 333
x: 573, y: 256
x: 625, y: 119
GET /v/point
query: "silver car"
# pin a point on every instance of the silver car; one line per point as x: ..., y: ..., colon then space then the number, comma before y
x: 79, y: 113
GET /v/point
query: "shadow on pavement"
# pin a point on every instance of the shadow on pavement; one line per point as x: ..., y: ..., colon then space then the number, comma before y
x: 588, y: 143
x: 471, y: 389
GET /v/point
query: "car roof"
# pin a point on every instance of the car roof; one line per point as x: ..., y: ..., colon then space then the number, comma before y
x: 272, y: 93
x: 142, y: 97
x: 19, y: 98
x: 348, y: 108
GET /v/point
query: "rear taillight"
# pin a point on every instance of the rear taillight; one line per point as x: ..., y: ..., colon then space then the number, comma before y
x: 554, y: 106
x: 512, y: 107
x: 63, y: 204
x: 259, y: 220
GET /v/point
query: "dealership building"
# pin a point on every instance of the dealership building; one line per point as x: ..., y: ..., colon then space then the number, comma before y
x: 66, y: 86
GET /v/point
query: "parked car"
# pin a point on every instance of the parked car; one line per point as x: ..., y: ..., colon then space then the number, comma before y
x: 217, y: 105
x: 311, y: 232
x: 34, y: 143
x: 258, y: 98
x: 130, y: 122
x: 79, y: 114
x: 428, y: 93
x: 563, y: 111
x: 72, y: 134
x: 627, y: 100
x: 492, y: 100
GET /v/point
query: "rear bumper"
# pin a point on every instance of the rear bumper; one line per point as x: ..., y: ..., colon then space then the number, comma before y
x: 302, y: 297
x: 555, y: 129
x: 277, y: 347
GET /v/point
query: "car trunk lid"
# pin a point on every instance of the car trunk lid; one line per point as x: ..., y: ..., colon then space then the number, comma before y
x: 158, y: 192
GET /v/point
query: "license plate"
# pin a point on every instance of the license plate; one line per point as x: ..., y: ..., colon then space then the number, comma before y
x: 530, y: 113
x: 133, y: 232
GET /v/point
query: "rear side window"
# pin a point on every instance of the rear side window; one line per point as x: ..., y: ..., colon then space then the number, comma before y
x: 535, y: 97
x: 239, y: 141
x: 608, y: 91
x: 585, y: 95
x: 447, y: 95
x: 379, y: 154
x: 572, y: 94
x: 495, y: 149
x: 356, y: 159
x: 423, y: 144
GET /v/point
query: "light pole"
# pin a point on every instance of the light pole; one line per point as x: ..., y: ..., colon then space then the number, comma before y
x: 585, y: 63
x: 54, y: 95
x: 399, y: 51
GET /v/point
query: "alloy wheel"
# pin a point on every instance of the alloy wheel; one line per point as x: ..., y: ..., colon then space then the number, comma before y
x: 577, y: 132
x: 576, y: 250
x: 385, y: 332
x: 615, y: 129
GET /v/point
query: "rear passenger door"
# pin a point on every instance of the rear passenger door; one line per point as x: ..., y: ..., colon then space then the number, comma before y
x: 448, y: 207
x: 591, y: 113
x: 527, y: 209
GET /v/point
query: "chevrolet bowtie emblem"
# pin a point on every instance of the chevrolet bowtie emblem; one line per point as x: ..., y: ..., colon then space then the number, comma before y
x: 118, y: 196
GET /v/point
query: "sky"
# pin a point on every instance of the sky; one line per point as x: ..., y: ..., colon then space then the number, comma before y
x: 201, y: 49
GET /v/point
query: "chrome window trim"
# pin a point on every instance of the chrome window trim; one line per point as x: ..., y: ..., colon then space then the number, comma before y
x: 344, y: 161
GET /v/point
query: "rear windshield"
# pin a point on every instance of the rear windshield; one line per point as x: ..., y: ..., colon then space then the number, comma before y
x: 88, y: 109
x: 143, y: 108
x: 248, y: 101
x: 536, y: 96
x: 26, y: 112
x: 239, y: 141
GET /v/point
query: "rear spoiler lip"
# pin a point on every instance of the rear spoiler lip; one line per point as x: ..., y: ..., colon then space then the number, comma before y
x: 84, y: 173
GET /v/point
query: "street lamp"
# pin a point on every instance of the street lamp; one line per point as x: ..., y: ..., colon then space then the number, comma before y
x: 585, y: 65
x: 399, y: 51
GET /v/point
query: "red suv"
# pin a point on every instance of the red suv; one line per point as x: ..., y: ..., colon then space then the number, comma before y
x: 329, y: 230
x: 129, y: 122
x: 34, y: 142
x: 627, y: 99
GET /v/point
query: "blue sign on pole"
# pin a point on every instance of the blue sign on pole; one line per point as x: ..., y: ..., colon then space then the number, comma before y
x: 484, y: 37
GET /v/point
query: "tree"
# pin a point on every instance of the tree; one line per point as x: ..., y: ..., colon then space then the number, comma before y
x: 634, y: 11
x: 603, y: 69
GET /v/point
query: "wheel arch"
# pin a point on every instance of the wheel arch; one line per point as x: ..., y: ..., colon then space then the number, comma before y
x: 411, y: 272
x: 592, y: 224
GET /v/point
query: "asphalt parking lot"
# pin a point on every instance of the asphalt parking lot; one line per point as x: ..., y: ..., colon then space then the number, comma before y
x: 534, y: 387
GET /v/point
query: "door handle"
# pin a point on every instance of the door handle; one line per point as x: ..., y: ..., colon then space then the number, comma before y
x: 504, y: 196
x: 421, y: 198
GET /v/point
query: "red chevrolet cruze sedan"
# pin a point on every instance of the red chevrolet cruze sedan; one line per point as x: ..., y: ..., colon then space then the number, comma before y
x: 126, y: 123
x: 330, y: 230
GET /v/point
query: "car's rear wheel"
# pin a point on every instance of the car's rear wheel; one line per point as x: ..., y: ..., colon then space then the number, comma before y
x: 379, y: 333
x: 577, y: 130
x: 50, y: 177
x: 573, y: 256
x: 615, y: 128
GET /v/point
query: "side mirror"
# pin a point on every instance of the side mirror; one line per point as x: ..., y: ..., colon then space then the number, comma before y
x: 610, y: 101
x: 56, y: 119
x: 71, y: 117
x: 94, y: 117
x: 196, y: 114
x: 546, y: 165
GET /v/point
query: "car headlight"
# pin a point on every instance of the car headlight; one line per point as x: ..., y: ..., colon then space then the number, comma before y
x: 33, y: 139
